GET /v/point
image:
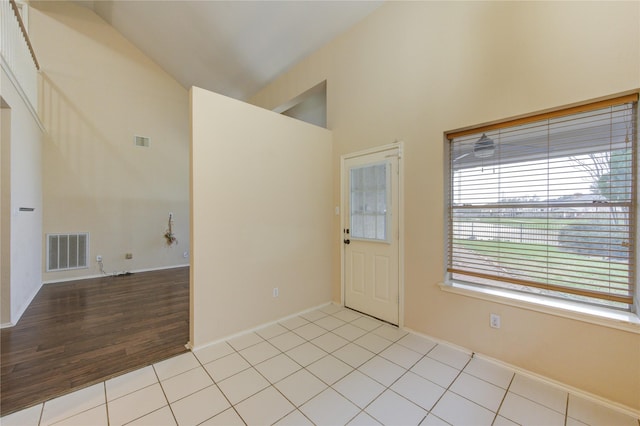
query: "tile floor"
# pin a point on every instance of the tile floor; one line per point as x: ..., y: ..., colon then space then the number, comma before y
x: 331, y: 366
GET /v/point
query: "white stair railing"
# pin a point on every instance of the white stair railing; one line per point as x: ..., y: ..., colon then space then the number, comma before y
x: 18, y: 58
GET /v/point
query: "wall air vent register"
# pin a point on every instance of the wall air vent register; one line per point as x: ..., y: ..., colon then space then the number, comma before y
x: 67, y: 251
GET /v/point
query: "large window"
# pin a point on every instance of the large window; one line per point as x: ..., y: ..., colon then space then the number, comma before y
x: 546, y: 204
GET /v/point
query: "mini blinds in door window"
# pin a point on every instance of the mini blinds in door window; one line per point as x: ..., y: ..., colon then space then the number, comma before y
x: 368, y: 201
x: 546, y: 205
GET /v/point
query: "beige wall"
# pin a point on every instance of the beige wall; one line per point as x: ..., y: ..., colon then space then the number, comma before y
x: 413, y: 70
x: 97, y: 92
x: 261, y: 216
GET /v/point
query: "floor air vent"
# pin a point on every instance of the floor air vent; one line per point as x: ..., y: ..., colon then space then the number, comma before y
x: 67, y: 251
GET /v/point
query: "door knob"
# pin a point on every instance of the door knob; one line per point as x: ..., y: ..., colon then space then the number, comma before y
x: 347, y: 241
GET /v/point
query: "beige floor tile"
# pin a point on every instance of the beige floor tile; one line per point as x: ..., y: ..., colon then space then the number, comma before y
x: 314, y: 315
x: 130, y: 382
x: 418, y: 390
x: 353, y: 355
x: 482, y: 393
x: 540, y: 392
x: 329, y: 369
x: 457, y: 410
x: 242, y: 385
x: 450, y: 356
x: 435, y: 371
x: 136, y: 404
x: 96, y: 416
x: 382, y: 370
x: 200, y: 406
x: 349, y: 332
x: 525, y: 412
x: 329, y: 342
x: 277, y: 368
x: 347, y: 315
x: 416, y: 343
x: 27, y: 417
x: 358, y: 388
x: 401, y: 355
x: 489, y: 372
x: 501, y: 421
x: 161, y: 417
x: 244, y: 341
x: 329, y: 323
x: 74, y: 403
x: 331, y: 308
x: 595, y: 414
x: 177, y: 387
x: 294, y: 322
x: 310, y: 331
x: 228, y: 417
x: 300, y: 387
x: 264, y: 408
x: 286, y: 341
x: 373, y: 342
x: 176, y: 365
x: 271, y: 331
x: 259, y: 352
x: 295, y: 418
x: 389, y: 332
x: 213, y: 352
x: 392, y: 409
x: 329, y: 408
x: 366, y: 323
x: 363, y: 419
x: 570, y: 422
x: 306, y: 354
x: 433, y: 420
x: 226, y: 366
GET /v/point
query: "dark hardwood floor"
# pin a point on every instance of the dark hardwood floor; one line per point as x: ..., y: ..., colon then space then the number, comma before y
x: 83, y: 332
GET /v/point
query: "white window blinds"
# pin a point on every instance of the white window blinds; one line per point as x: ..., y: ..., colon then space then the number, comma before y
x: 547, y: 204
x: 369, y: 200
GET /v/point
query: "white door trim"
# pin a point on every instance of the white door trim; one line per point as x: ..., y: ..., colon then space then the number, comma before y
x: 394, y: 148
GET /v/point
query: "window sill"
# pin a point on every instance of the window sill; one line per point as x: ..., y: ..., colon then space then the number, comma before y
x: 626, y: 321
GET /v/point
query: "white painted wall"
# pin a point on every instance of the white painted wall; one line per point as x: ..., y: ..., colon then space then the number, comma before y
x: 5, y: 215
x: 260, y: 213
x: 23, y: 258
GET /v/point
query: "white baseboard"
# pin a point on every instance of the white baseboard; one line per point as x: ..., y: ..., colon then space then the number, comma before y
x: 567, y: 388
x: 135, y: 271
x: 24, y: 307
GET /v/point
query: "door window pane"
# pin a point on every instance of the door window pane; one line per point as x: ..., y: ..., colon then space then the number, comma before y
x: 369, y: 198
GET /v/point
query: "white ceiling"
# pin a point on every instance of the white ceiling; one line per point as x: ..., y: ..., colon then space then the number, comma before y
x: 231, y: 47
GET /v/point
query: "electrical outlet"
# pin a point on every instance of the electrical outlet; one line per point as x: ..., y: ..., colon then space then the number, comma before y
x: 99, y: 258
x: 185, y: 254
x: 276, y: 292
x: 494, y: 321
x: 128, y: 256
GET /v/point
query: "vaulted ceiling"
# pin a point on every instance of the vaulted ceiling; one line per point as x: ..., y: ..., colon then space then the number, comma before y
x: 231, y: 47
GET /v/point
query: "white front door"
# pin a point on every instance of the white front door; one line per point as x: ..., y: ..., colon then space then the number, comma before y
x: 371, y: 233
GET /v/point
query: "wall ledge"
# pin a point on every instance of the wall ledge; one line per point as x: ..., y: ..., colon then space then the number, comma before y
x: 12, y: 78
x: 625, y: 321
